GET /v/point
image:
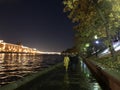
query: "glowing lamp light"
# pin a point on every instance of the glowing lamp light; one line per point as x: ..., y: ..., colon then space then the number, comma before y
x: 95, y: 37
x: 97, y: 42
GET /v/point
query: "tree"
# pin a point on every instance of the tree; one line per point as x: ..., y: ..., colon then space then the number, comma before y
x: 93, y: 17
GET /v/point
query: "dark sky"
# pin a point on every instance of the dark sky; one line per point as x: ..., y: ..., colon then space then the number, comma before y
x: 37, y: 24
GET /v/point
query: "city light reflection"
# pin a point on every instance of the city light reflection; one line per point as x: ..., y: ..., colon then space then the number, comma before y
x: 94, y: 84
x: 14, y: 66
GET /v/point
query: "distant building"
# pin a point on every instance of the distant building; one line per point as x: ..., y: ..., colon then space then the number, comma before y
x: 15, y: 48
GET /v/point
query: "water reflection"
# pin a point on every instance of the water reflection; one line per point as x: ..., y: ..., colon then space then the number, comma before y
x: 16, y: 66
x: 66, y: 81
x: 92, y: 80
x: 80, y: 79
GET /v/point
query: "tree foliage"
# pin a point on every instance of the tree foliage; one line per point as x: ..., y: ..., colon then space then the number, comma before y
x: 93, y: 17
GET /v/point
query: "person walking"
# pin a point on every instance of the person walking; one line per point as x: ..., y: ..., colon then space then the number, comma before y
x: 73, y: 62
x: 66, y: 62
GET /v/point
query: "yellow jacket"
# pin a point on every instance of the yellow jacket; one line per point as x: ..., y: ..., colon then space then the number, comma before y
x: 66, y: 61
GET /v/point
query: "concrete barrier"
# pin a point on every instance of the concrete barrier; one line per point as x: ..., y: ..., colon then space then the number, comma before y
x: 25, y: 80
x: 108, y: 79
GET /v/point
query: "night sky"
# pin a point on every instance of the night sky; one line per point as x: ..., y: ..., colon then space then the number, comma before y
x: 37, y: 24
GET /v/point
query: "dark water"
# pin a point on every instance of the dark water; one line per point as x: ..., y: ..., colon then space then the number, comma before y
x: 16, y: 66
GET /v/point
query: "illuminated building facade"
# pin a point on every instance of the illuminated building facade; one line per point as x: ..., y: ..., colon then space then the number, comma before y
x: 14, y: 48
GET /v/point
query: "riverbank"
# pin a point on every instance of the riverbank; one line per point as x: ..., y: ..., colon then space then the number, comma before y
x: 28, y: 79
x: 58, y: 79
x: 107, y: 77
x: 17, y: 66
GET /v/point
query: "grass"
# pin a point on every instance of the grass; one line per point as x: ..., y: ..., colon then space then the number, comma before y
x: 108, y: 63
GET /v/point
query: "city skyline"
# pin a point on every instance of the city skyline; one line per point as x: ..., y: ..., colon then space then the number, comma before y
x: 34, y: 23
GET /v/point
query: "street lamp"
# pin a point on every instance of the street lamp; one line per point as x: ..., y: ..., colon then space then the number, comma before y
x: 97, y: 42
x: 96, y: 47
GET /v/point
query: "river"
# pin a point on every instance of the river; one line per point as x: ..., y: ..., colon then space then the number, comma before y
x: 16, y: 66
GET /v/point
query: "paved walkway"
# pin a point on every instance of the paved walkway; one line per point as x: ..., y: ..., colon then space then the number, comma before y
x: 58, y: 79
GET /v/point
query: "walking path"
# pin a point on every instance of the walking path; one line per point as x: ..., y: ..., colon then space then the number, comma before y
x: 59, y: 79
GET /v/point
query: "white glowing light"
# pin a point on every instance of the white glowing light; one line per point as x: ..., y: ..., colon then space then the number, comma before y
x: 116, y: 47
x: 97, y: 42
